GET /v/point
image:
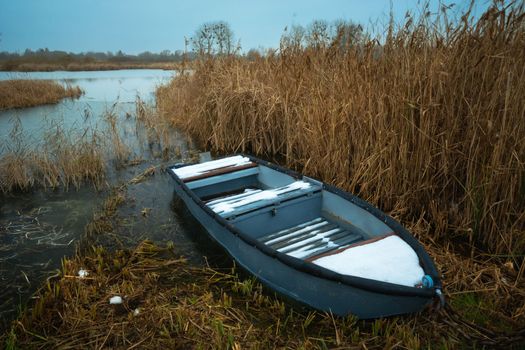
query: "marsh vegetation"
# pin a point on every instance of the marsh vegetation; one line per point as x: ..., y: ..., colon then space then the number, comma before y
x: 425, y: 122
x: 69, y: 157
x: 28, y: 93
x: 57, y: 162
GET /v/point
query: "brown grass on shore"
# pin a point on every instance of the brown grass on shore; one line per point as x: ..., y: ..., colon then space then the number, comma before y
x: 427, y: 124
x: 168, y: 304
x: 21, y: 93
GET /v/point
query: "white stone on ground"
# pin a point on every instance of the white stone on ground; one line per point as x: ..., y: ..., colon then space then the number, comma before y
x: 115, y: 300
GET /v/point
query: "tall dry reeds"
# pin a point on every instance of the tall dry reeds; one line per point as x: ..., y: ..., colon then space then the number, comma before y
x: 22, y: 93
x: 427, y: 123
x: 62, y: 159
x: 117, y: 146
x: 161, y: 139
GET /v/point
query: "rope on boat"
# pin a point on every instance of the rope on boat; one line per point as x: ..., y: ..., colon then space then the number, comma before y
x: 441, y: 297
x: 479, y: 335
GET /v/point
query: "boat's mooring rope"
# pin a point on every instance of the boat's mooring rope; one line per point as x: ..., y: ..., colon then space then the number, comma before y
x: 478, y: 334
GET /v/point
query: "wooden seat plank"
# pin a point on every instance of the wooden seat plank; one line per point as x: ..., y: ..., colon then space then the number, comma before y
x: 220, y: 171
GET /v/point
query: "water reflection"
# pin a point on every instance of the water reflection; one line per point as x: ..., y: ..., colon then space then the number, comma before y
x: 102, y: 89
x: 105, y: 86
x: 36, y: 231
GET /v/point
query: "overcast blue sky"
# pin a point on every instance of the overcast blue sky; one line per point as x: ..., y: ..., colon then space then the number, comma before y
x: 154, y: 25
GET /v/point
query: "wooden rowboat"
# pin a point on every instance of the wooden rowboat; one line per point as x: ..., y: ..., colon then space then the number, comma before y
x: 307, y: 240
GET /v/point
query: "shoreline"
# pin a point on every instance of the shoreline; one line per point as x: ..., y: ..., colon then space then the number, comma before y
x: 165, y: 300
x: 79, y: 66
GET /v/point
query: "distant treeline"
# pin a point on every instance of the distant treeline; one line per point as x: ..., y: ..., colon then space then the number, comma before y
x: 210, y: 40
x: 46, y: 55
x: 119, y: 56
x: 46, y: 60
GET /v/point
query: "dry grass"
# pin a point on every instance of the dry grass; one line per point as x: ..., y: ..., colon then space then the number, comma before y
x: 117, y: 145
x: 427, y: 125
x: 23, y: 93
x: 157, y: 132
x: 170, y: 304
x: 64, y: 159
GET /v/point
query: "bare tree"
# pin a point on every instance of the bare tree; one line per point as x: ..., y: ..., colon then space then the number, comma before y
x: 295, y: 37
x: 347, y: 33
x: 321, y: 34
x: 214, y: 38
x: 318, y: 34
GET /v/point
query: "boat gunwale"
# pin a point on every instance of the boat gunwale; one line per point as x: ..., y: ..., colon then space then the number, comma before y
x: 316, y: 270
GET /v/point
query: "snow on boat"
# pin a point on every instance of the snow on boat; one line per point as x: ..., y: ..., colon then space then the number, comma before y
x: 307, y: 240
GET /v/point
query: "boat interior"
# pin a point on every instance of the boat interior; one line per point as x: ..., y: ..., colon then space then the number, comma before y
x: 293, y: 216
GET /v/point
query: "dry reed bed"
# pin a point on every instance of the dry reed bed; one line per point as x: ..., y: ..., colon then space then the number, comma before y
x: 157, y: 131
x: 428, y: 125
x: 22, y: 93
x: 66, y: 158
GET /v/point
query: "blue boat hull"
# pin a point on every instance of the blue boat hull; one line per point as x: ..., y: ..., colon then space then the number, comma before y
x: 308, y: 289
